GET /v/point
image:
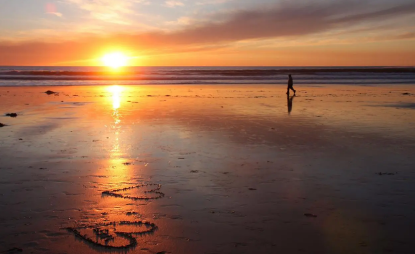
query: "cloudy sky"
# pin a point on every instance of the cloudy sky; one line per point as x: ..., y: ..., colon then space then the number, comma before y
x: 208, y: 32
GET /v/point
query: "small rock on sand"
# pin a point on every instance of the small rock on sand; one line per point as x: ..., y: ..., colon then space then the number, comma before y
x: 1, y: 125
x: 11, y: 114
x: 14, y: 250
x: 48, y: 92
x: 310, y: 215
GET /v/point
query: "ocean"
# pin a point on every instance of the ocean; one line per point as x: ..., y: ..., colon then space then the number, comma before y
x: 82, y: 75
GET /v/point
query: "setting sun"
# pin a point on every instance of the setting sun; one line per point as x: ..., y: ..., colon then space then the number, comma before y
x: 115, y: 60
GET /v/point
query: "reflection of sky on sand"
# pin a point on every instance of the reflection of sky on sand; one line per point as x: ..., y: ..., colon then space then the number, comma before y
x: 208, y: 147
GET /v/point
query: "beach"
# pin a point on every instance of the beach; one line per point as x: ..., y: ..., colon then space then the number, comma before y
x: 207, y: 169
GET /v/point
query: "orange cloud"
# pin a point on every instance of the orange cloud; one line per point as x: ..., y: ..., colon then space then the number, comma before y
x: 287, y: 21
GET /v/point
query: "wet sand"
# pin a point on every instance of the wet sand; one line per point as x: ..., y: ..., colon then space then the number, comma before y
x: 207, y: 169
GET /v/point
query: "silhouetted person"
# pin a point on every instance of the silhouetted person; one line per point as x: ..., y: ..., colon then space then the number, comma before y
x: 290, y: 84
x: 290, y: 102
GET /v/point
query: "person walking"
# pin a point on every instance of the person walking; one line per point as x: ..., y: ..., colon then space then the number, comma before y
x: 290, y: 84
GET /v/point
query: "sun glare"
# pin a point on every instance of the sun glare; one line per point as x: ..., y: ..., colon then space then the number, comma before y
x: 115, y: 60
x: 116, y: 96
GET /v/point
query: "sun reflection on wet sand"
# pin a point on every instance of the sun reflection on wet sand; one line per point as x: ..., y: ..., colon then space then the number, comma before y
x: 116, y: 103
x: 117, y: 168
x: 116, y: 96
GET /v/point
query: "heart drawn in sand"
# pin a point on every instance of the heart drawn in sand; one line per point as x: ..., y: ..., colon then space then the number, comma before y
x: 156, y: 191
x: 113, y: 235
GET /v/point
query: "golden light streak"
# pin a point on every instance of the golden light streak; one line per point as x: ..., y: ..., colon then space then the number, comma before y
x: 116, y: 96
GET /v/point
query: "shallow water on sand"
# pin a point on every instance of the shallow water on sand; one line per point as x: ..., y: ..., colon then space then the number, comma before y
x: 240, y: 169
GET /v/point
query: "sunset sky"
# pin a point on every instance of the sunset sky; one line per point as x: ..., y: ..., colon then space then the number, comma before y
x: 208, y: 32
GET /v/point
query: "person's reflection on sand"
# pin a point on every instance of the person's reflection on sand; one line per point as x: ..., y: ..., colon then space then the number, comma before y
x: 290, y: 102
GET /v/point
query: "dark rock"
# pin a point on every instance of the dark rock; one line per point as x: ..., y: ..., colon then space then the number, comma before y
x: 49, y: 92
x: 251, y: 189
x: 406, y: 94
x: 15, y: 250
x: 1, y: 125
x: 310, y: 215
x: 11, y: 114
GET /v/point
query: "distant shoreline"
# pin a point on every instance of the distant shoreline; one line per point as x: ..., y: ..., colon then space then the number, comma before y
x: 208, y: 75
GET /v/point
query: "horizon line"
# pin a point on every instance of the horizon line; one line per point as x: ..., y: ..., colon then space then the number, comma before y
x: 405, y: 66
